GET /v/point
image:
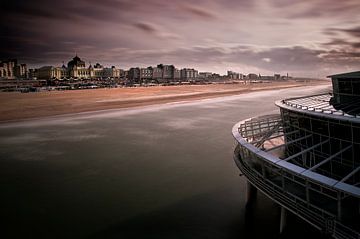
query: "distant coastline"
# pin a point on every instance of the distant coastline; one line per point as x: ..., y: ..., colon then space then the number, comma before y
x: 15, y: 106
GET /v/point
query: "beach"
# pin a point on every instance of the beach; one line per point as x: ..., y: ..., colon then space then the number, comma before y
x: 15, y: 106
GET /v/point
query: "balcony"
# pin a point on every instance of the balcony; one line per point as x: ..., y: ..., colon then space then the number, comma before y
x: 265, y: 157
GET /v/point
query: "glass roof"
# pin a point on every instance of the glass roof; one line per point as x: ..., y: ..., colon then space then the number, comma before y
x: 322, y: 104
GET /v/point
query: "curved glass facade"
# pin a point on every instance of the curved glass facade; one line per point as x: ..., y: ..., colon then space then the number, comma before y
x: 307, y: 162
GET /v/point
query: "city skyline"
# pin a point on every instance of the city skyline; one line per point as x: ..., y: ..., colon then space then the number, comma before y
x: 308, y: 39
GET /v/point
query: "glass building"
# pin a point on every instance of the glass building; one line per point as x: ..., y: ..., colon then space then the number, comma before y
x: 307, y: 159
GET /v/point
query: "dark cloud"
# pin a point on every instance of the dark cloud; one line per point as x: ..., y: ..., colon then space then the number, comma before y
x: 355, y: 32
x: 337, y: 42
x: 289, y: 59
x: 113, y: 4
x: 145, y: 27
x: 316, y: 8
x: 297, y: 59
x: 355, y: 45
x: 29, y: 9
x: 271, y: 36
x: 348, y: 46
x: 198, y: 12
x: 341, y: 43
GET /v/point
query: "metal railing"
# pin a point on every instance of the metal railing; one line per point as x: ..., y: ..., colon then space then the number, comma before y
x: 285, y: 185
x: 322, y: 105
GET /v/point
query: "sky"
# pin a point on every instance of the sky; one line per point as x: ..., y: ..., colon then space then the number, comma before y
x: 311, y: 38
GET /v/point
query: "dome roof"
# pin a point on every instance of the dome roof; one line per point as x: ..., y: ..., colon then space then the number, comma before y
x: 76, y: 61
x: 76, y: 58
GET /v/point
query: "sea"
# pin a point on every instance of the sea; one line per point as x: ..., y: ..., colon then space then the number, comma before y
x: 160, y: 171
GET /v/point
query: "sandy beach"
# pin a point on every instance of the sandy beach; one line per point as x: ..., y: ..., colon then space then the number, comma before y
x: 16, y: 106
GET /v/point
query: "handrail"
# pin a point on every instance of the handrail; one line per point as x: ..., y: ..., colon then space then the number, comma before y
x: 313, y: 108
x: 294, y: 169
x: 320, y: 221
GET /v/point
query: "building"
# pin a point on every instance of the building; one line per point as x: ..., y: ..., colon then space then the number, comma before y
x: 161, y: 73
x: 51, y: 72
x: 45, y: 72
x: 97, y: 71
x: 167, y: 71
x: 216, y: 77
x: 146, y: 73
x: 252, y: 76
x: 123, y: 74
x: 76, y: 68
x: 157, y: 73
x: 126, y: 74
x: 267, y: 78
x: 346, y: 88
x: 33, y: 74
x: 277, y: 77
x: 177, y: 74
x: 111, y: 72
x: 205, y: 75
x: 234, y: 75
x: 134, y: 74
x: 8, y: 69
x: 189, y: 74
x: 307, y: 159
x: 20, y: 71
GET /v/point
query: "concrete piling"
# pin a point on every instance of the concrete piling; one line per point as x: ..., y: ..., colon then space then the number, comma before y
x: 283, y: 219
x: 250, y: 193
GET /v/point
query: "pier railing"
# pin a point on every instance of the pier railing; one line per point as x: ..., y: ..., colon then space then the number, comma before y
x: 260, y: 155
x: 320, y: 103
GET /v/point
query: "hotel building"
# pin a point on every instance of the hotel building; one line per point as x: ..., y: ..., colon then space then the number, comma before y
x: 76, y: 68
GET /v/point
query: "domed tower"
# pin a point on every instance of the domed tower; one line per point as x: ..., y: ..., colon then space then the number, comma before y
x: 307, y: 159
x: 76, y: 68
x: 76, y: 62
x: 91, y: 71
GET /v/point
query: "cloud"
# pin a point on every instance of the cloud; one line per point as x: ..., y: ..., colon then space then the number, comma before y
x: 156, y: 32
x: 293, y: 59
x: 198, y: 12
x: 317, y: 8
x: 343, y: 47
x: 145, y: 27
x: 279, y: 35
x: 354, y: 31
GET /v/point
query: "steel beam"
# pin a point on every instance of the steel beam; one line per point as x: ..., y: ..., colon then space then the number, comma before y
x: 306, y: 150
x: 350, y: 174
x: 329, y: 158
x: 288, y: 143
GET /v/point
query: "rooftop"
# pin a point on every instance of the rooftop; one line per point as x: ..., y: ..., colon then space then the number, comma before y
x: 320, y: 105
x: 348, y: 75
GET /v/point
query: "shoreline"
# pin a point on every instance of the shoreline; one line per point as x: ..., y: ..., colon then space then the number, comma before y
x: 24, y: 107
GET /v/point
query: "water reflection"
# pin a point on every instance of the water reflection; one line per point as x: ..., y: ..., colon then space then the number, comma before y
x: 158, y: 172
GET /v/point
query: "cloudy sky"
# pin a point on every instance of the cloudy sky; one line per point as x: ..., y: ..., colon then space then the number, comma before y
x: 307, y: 38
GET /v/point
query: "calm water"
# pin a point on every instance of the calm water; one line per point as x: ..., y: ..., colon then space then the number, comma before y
x: 157, y: 172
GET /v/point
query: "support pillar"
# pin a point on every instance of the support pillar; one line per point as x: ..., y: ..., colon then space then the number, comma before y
x: 283, y: 219
x: 250, y: 192
x: 339, y: 207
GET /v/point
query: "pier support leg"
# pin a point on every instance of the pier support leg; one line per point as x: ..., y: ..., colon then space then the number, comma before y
x: 250, y: 193
x: 283, y: 219
x: 339, y: 207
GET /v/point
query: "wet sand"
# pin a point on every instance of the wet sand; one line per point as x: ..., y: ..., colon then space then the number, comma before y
x: 16, y: 106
